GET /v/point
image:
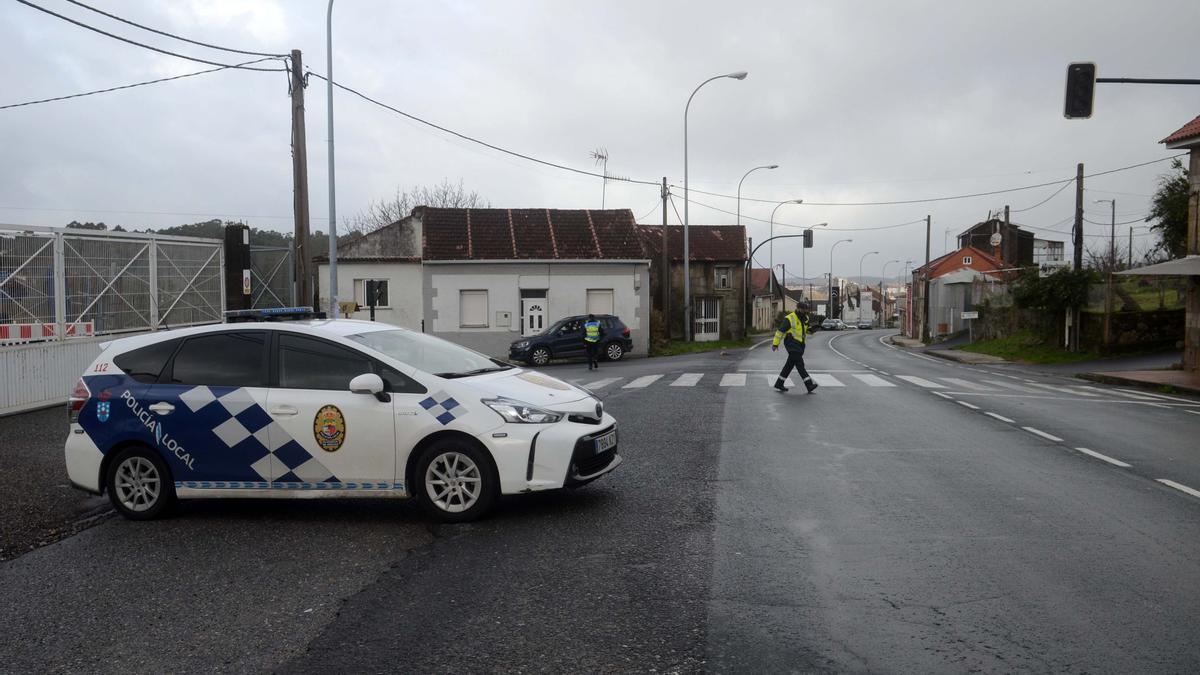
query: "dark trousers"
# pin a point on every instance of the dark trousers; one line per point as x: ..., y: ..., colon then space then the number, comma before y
x: 593, y: 354
x: 795, y: 360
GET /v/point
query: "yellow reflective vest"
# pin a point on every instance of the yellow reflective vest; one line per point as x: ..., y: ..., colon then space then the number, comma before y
x: 795, y: 329
x: 591, y: 331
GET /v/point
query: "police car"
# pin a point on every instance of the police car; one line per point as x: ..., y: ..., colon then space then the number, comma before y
x: 325, y: 408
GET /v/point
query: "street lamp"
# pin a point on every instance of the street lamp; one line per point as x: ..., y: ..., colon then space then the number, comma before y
x: 1112, y: 235
x: 739, y: 195
x: 803, y: 269
x: 334, y: 310
x: 860, y: 274
x: 771, y: 258
x: 687, y: 280
x: 840, y: 241
x: 882, y: 277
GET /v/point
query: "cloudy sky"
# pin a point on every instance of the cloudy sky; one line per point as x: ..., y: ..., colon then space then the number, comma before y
x: 856, y: 101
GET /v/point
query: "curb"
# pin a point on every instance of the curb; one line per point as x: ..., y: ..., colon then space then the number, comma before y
x: 1106, y: 378
x: 973, y: 359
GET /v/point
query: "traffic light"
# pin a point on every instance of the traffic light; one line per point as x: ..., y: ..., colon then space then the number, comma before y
x: 1081, y: 85
x: 808, y: 239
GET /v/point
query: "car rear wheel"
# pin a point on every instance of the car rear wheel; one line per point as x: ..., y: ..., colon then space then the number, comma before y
x: 540, y: 356
x: 457, y: 482
x: 614, y: 351
x: 139, y: 484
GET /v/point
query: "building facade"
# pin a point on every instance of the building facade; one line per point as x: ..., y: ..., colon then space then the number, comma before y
x: 717, y: 264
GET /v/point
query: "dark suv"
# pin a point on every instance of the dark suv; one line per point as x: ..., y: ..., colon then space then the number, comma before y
x: 565, y: 339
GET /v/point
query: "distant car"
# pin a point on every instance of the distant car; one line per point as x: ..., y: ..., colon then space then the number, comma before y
x: 564, y: 339
x: 865, y: 324
x: 832, y: 324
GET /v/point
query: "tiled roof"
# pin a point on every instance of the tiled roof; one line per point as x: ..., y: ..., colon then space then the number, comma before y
x: 1189, y: 130
x: 705, y: 242
x: 529, y: 234
x: 760, y: 280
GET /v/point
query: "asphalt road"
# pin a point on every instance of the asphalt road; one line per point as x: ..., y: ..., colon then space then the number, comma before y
x: 878, y: 525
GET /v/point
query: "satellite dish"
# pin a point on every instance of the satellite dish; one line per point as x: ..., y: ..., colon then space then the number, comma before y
x: 995, y: 240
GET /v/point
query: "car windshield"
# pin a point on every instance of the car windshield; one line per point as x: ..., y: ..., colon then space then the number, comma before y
x: 429, y: 354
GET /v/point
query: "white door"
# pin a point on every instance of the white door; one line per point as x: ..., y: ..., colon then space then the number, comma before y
x: 707, y: 322
x: 533, y: 316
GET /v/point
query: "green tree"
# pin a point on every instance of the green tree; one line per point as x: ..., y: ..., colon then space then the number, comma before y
x: 1169, y: 210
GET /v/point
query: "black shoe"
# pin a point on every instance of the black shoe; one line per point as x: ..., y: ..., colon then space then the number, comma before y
x: 810, y: 385
x: 779, y: 386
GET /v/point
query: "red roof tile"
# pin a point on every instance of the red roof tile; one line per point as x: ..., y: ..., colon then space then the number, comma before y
x: 529, y: 234
x: 1189, y: 130
x: 705, y: 242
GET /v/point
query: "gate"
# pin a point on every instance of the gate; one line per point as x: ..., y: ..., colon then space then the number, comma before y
x: 59, y: 288
x: 271, y: 271
x: 708, y: 319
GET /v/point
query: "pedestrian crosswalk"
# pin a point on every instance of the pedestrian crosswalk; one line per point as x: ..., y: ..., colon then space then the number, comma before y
x: 842, y: 379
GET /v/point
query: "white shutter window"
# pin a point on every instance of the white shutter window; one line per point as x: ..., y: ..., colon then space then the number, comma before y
x: 600, y: 301
x: 473, y: 309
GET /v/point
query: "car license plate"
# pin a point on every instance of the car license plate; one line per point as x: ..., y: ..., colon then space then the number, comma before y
x: 606, y: 442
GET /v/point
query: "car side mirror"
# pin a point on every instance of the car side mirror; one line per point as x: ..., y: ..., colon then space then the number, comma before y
x: 369, y: 383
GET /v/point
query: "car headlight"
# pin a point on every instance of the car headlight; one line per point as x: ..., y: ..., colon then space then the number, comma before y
x: 521, y: 345
x: 521, y: 413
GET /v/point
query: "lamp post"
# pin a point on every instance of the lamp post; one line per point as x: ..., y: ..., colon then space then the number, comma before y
x: 803, y: 267
x: 1112, y: 233
x: 771, y: 256
x: 334, y: 310
x: 860, y: 274
x: 739, y: 194
x: 687, y: 279
x: 882, y: 277
x: 831, y: 308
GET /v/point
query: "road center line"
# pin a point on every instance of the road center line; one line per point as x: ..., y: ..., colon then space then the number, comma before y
x: 1180, y: 487
x: 938, y: 393
x: 1002, y: 418
x: 1105, y: 458
x: 1039, y: 432
x: 967, y: 405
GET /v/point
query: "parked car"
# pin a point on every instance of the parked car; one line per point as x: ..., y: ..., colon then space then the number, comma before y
x: 340, y: 408
x: 865, y: 324
x: 564, y: 339
x: 833, y: 324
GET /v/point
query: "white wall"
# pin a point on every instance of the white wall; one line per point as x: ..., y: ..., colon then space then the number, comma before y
x: 404, y: 290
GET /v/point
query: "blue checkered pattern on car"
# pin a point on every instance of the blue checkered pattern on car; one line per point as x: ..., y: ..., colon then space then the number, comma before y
x: 443, y: 407
x: 261, y: 485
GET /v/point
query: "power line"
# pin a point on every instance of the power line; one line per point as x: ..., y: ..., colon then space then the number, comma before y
x: 143, y: 45
x: 927, y: 200
x: 803, y: 227
x: 485, y: 144
x: 651, y: 211
x: 128, y: 86
x: 170, y: 35
x: 1065, y: 185
x: 152, y: 213
x: 1127, y: 222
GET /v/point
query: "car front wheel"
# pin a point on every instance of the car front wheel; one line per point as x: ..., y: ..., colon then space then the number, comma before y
x: 614, y: 351
x: 540, y: 356
x: 456, y: 482
x: 139, y: 484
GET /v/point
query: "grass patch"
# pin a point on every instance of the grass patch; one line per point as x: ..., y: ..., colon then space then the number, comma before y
x: 1029, y: 348
x: 675, y: 348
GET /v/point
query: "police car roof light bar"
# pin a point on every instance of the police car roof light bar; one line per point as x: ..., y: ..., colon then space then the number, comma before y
x: 272, y: 314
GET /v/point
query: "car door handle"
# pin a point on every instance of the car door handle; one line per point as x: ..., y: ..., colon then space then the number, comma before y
x: 162, y: 408
x: 284, y: 410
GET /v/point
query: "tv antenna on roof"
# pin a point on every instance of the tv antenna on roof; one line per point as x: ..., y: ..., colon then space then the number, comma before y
x: 601, y: 157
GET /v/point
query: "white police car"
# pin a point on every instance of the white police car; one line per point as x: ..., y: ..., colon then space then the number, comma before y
x: 325, y: 408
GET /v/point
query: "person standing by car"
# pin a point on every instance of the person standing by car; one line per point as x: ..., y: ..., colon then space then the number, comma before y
x: 593, y: 333
x: 792, y: 331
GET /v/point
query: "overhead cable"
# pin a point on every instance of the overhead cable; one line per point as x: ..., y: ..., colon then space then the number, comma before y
x: 170, y: 35
x: 130, y: 86
x: 143, y: 45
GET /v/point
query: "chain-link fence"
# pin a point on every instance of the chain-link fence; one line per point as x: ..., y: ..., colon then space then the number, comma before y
x: 271, y: 271
x: 1137, y: 294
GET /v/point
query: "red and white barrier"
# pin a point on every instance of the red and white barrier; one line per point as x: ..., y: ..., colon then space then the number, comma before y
x: 11, y: 333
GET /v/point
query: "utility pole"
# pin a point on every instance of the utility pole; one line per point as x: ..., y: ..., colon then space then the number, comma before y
x: 334, y: 310
x: 1130, y: 247
x: 1077, y: 243
x: 300, y: 183
x: 925, y: 284
x: 665, y: 274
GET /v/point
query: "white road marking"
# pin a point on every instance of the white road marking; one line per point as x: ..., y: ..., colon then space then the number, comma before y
x: 874, y: 381
x: 642, y: 382
x: 967, y: 405
x: 1060, y: 388
x: 786, y: 383
x: 687, y: 380
x: 600, y: 384
x: 1105, y: 458
x: 965, y: 383
x: 759, y: 344
x: 826, y: 380
x: 1039, y: 432
x: 1194, y: 412
x: 1180, y: 487
x: 1002, y: 418
x: 1160, y: 396
x: 733, y: 380
x: 881, y: 372
x: 1095, y: 389
x: 920, y: 381
x: 1017, y: 387
x: 938, y: 393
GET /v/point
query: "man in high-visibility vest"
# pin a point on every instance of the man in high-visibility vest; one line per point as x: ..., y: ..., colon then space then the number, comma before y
x: 792, y: 332
x: 593, y: 332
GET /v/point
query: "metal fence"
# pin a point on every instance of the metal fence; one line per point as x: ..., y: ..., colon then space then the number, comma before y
x: 271, y: 271
x: 1137, y: 294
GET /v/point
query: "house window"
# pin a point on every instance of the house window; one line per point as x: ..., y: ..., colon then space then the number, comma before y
x: 600, y: 301
x: 724, y: 277
x: 381, y: 292
x: 472, y: 309
x: 966, y: 260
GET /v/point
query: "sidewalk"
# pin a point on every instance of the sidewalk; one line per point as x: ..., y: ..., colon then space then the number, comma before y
x: 1151, y: 371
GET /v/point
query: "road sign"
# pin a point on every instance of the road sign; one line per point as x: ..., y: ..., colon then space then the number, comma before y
x: 970, y: 315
